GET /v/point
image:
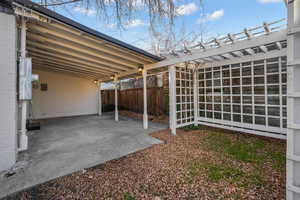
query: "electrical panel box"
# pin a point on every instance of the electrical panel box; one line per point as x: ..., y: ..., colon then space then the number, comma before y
x: 25, y: 74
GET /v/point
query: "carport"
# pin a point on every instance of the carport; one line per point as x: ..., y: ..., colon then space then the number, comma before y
x: 71, y: 61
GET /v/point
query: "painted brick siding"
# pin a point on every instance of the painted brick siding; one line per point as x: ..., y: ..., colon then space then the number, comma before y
x: 8, y: 117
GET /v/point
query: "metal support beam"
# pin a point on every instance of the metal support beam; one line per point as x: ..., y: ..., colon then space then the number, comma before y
x: 293, y: 103
x: 99, y: 99
x: 172, y: 98
x: 23, y: 138
x: 116, y: 98
x: 145, y: 116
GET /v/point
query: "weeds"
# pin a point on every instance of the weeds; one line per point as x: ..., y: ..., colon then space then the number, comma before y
x: 191, y: 128
x: 127, y: 196
x: 245, y: 149
x: 217, y: 172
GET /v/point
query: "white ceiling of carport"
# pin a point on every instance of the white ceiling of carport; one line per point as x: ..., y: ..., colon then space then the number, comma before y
x: 57, y: 47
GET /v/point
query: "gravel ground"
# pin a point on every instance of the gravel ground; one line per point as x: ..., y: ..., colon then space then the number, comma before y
x: 205, y: 163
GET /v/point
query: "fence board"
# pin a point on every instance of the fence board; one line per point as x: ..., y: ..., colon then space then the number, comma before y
x: 132, y: 99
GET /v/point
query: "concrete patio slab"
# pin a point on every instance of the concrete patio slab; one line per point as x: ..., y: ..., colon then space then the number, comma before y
x: 66, y: 145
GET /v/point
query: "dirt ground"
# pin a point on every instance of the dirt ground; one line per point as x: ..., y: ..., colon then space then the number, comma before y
x: 198, y: 163
x: 158, y: 119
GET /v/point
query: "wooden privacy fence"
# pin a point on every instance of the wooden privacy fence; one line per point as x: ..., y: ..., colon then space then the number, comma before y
x: 132, y: 99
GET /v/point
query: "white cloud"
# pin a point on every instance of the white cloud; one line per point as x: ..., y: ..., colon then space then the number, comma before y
x: 134, y: 23
x: 212, y: 16
x: 269, y: 1
x: 86, y: 11
x: 186, y: 9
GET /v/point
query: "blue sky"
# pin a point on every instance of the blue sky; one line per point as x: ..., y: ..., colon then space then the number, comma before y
x: 220, y: 17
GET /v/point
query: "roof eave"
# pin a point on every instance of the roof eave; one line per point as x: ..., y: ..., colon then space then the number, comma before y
x: 65, y: 20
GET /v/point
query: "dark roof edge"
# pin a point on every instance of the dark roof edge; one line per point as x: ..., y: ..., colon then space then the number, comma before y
x: 58, y: 17
x: 5, y: 7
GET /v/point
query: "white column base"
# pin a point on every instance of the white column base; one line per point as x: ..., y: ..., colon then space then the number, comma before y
x: 23, y: 138
x: 173, y: 131
x: 116, y: 115
x: 145, y: 121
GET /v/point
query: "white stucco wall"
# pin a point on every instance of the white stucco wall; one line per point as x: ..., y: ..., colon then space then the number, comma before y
x: 8, y: 104
x: 66, y: 96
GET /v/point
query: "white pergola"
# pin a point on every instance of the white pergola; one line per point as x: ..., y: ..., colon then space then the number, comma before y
x: 236, y: 82
x: 247, y: 82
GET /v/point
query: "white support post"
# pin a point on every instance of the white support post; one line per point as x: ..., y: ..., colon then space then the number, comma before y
x: 195, y: 87
x: 293, y: 102
x: 145, y: 116
x: 23, y: 138
x: 116, y: 98
x: 99, y: 99
x: 172, y: 98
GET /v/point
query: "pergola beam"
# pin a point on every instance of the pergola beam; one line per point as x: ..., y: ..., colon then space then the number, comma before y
x: 250, y: 51
x: 237, y: 53
x: 237, y: 46
x: 263, y: 48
